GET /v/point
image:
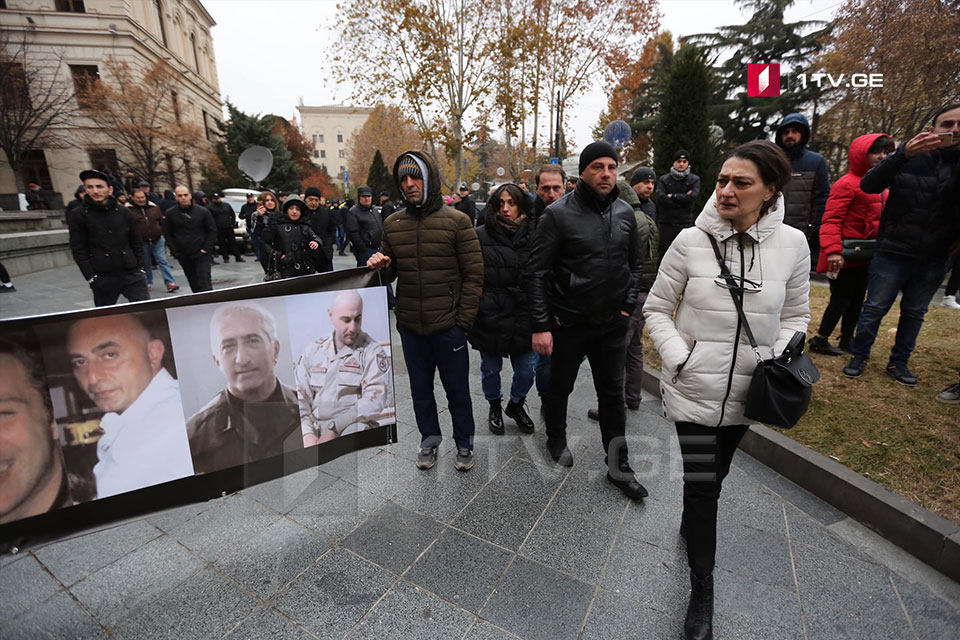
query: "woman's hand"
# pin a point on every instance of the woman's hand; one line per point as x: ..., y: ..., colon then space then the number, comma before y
x: 261, y: 209
x: 378, y: 261
x: 834, y: 262
x: 313, y: 244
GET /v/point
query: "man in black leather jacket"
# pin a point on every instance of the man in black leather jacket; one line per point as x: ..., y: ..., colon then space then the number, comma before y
x: 583, y: 282
x: 364, y: 226
x: 105, y: 243
x: 321, y: 221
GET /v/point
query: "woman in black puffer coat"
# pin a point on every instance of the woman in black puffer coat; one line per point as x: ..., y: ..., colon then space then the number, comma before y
x: 502, y: 327
x: 288, y: 242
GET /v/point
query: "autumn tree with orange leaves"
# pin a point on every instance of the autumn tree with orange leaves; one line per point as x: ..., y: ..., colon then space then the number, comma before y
x: 386, y: 129
x: 134, y: 110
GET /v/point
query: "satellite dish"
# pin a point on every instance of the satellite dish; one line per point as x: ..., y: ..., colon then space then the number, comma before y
x: 256, y: 162
x: 474, y: 186
x: 500, y: 171
x: 617, y: 133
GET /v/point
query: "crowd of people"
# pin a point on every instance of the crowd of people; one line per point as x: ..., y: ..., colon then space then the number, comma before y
x: 571, y: 269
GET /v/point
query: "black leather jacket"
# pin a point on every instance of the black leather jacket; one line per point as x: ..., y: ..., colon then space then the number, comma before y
x: 189, y: 231
x: 364, y: 228
x: 104, y: 238
x: 585, y: 265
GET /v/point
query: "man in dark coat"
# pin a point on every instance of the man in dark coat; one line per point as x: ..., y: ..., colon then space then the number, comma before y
x: 466, y: 204
x: 386, y: 205
x: 105, y: 243
x: 191, y: 235
x: 149, y: 220
x: 226, y: 221
x: 583, y: 282
x: 919, y: 228
x: 644, y: 183
x: 676, y: 193
x: 807, y: 192
x: 321, y: 221
x: 364, y: 226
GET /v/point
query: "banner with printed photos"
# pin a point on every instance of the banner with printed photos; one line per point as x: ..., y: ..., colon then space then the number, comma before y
x: 110, y: 413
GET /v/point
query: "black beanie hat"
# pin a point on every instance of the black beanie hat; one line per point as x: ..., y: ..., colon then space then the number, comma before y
x: 682, y: 153
x: 312, y: 191
x: 641, y: 174
x: 594, y: 150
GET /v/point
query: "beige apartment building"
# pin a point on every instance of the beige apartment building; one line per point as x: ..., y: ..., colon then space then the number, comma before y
x: 139, y: 32
x: 329, y: 128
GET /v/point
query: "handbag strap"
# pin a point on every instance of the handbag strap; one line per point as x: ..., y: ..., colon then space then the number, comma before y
x: 736, y: 292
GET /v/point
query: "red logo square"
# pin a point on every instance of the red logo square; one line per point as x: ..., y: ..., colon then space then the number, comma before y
x: 763, y: 80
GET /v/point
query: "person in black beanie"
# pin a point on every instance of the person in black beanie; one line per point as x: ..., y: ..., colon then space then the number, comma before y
x: 644, y: 182
x: 582, y: 286
x: 677, y: 191
x: 321, y: 221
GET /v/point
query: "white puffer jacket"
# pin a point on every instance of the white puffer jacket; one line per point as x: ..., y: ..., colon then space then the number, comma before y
x: 707, y: 359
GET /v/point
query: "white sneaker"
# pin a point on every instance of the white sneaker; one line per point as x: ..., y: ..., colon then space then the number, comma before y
x: 950, y: 302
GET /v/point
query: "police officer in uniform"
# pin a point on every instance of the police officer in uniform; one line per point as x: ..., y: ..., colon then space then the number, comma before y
x: 343, y: 379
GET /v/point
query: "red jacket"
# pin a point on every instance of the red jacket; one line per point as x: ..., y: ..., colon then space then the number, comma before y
x: 850, y: 212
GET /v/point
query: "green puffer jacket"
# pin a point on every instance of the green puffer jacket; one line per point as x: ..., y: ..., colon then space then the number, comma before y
x: 647, y: 232
x: 435, y: 257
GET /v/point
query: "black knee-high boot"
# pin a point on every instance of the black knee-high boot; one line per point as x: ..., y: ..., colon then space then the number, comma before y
x: 699, y: 622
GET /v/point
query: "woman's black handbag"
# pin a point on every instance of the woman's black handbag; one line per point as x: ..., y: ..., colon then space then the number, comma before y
x: 780, y: 388
x: 856, y: 250
x: 273, y: 272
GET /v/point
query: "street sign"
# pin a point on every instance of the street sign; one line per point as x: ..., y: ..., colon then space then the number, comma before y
x: 554, y: 160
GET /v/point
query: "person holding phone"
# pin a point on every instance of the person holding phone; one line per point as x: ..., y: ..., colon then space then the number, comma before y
x: 259, y: 219
x: 850, y: 213
x: 919, y: 228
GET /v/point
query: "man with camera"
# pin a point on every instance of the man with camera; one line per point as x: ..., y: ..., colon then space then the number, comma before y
x: 919, y: 228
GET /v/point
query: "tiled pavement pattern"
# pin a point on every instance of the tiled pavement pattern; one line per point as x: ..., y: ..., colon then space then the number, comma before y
x: 368, y: 546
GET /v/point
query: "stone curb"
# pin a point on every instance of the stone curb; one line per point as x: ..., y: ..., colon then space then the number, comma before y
x: 925, y: 535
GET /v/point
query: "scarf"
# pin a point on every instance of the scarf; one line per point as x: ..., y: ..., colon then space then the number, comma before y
x: 509, y: 226
x: 679, y: 175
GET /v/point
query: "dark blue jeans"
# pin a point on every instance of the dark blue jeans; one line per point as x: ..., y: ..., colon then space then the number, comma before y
x: 917, y: 279
x: 524, y: 369
x: 543, y: 375
x: 448, y: 352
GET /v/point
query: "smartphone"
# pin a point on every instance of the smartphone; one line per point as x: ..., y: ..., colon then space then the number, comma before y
x: 946, y: 138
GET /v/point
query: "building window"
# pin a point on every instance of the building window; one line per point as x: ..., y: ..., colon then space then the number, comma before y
x: 319, y: 137
x: 323, y: 168
x: 14, y: 87
x: 163, y: 29
x: 103, y: 159
x: 189, y: 173
x: 196, y: 58
x: 71, y: 6
x: 342, y: 169
x: 323, y: 153
x: 35, y: 168
x: 206, y: 125
x: 175, y: 98
x: 3, y: 4
x: 85, y: 78
x: 316, y: 154
x: 315, y: 141
x: 339, y: 137
x: 342, y: 155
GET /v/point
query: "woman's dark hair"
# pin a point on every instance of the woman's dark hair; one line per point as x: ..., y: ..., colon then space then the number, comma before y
x: 883, y: 143
x: 772, y: 165
x: 518, y: 195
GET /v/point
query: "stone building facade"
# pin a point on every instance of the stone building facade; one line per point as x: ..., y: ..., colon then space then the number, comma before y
x: 330, y: 128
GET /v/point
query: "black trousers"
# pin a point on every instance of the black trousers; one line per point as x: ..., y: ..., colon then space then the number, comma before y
x: 846, y: 297
x: 605, y: 346
x: 197, y: 270
x: 707, y: 453
x: 953, y: 284
x: 667, y: 234
x: 107, y: 288
x: 227, y: 243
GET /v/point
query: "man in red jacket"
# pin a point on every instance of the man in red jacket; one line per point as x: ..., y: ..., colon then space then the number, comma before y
x: 850, y: 214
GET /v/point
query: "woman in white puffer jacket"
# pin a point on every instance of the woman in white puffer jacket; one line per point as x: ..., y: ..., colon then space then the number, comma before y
x: 707, y: 359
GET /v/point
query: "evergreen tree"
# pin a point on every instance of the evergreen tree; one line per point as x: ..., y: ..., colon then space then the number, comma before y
x: 379, y: 178
x: 242, y: 131
x: 765, y: 38
x: 676, y: 109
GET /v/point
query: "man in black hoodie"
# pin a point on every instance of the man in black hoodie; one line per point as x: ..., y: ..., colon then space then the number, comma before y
x: 105, y: 243
x: 191, y: 235
x: 584, y: 278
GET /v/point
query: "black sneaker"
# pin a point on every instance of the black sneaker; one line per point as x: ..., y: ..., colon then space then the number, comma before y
x: 856, y: 367
x: 464, y: 460
x: 823, y: 346
x: 901, y: 374
x: 427, y: 457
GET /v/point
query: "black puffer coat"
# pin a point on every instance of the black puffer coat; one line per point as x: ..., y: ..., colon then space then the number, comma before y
x: 586, y: 262
x: 104, y: 238
x: 364, y: 228
x: 285, y: 243
x: 921, y: 218
x: 677, y: 209
x: 502, y: 326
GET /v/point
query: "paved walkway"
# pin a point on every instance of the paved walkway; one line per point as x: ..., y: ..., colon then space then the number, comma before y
x: 367, y: 546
